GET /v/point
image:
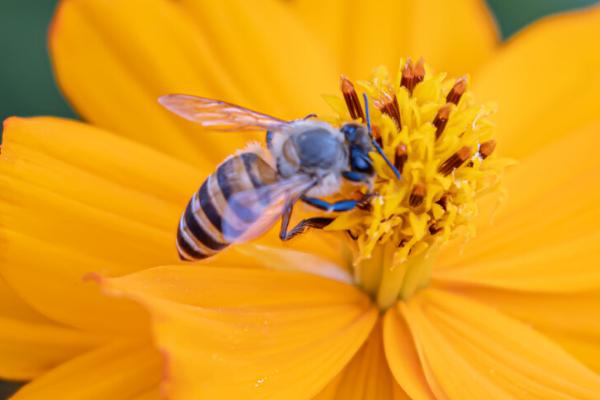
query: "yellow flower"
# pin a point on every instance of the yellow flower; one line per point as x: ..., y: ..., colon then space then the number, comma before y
x: 514, y: 315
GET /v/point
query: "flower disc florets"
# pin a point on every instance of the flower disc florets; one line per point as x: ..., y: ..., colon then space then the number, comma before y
x: 442, y: 142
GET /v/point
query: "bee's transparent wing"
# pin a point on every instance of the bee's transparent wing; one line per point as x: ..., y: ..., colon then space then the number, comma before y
x: 251, y: 213
x: 219, y: 115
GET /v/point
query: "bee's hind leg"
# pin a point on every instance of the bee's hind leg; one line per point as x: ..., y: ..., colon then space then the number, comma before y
x: 302, y: 226
x: 315, y: 223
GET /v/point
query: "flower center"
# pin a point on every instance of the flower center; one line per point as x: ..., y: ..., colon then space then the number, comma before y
x: 442, y: 142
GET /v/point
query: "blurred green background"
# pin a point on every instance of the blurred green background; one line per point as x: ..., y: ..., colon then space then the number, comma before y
x: 27, y: 86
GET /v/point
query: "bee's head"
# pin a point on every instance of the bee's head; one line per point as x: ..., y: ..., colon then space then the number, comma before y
x: 359, y: 145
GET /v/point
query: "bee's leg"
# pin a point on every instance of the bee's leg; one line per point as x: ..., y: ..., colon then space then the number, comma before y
x: 269, y: 139
x: 338, y: 206
x: 302, y: 226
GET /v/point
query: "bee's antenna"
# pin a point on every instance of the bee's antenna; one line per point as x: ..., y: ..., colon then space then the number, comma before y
x: 375, y: 144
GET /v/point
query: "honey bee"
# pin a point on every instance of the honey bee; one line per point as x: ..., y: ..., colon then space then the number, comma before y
x: 246, y: 194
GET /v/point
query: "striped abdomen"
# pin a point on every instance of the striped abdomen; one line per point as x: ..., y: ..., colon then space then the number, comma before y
x: 200, y: 233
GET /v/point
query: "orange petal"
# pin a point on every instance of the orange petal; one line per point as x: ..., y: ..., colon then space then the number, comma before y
x: 246, y: 333
x: 546, y: 236
x: 12, y: 306
x: 152, y: 394
x: 361, y: 35
x: 28, y: 349
x: 583, y: 348
x: 367, y: 376
x: 572, y: 319
x: 269, y: 54
x: 114, y: 62
x: 30, y: 344
x: 456, y: 37
x: 474, y: 351
x: 76, y: 199
x: 403, y: 357
x: 452, y: 36
x: 545, y: 80
x: 282, y: 259
x: 119, y: 371
x: 329, y: 22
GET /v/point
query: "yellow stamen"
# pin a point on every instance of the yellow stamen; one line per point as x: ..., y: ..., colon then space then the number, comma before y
x: 389, y: 106
x: 441, y: 119
x: 487, y: 148
x: 441, y: 140
x: 401, y: 156
x: 351, y: 98
x: 456, y: 160
x: 417, y: 195
x: 457, y: 91
x: 419, y: 71
x: 408, y: 75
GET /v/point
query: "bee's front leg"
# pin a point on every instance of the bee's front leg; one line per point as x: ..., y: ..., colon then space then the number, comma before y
x: 365, y: 201
x: 338, y: 206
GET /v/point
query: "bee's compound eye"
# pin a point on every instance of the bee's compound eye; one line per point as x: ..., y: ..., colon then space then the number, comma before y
x: 349, y: 131
x: 360, y: 161
x: 361, y: 164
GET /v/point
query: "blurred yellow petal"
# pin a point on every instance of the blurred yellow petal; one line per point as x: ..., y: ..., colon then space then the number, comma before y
x: 76, y: 199
x: 113, y: 67
x: 572, y: 320
x: 30, y: 344
x: 13, y: 306
x: 328, y: 21
x: 247, y: 333
x: 455, y: 37
x: 476, y: 352
x: 367, y: 376
x: 269, y: 54
x: 282, y: 259
x: 28, y: 349
x: 546, y: 236
x: 584, y: 348
x: 153, y: 394
x: 545, y: 81
x: 362, y: 35
x: 411, y: 373
x: 117, y: 371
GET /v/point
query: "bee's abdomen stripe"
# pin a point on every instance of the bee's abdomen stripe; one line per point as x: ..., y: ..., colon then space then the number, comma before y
x: 209, y: 208
x: 222, y: 177
x: 203, y: 219
x: 260, y: 174
x: 232, y: 178
x: 213, y: 205
x: 191, y: 240
x: 250, y: 165
x: 186, y: 248
x: 182, y: 254
x: 197, y: 230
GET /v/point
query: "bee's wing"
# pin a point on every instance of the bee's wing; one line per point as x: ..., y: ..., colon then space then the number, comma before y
x: 251, y: 213
x: 219, y: 115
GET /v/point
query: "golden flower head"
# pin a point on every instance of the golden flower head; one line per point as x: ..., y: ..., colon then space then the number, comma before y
x: 441, y: 142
